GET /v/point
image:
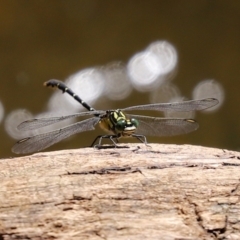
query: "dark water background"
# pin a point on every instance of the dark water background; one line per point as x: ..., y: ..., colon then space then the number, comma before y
x: 41, y: 40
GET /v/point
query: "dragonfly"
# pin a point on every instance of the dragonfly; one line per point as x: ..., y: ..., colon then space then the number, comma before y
x: 117, y: 123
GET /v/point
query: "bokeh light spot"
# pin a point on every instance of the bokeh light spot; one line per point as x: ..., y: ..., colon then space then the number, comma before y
x: 144, y: 69
x: 117, y: 85
x: 88, y: 84
x: 166, y: 54
x: 209, y: 89
x: 154, y: 66
x: 13, y: 119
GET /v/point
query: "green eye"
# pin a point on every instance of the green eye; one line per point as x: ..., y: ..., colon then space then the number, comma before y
x: 121, y: 124
x: 134, y: 122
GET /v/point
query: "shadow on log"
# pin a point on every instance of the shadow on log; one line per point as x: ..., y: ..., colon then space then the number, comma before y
x: 163, y: 192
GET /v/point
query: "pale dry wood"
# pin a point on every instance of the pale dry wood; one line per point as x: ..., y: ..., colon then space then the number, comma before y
x: 163, y: 192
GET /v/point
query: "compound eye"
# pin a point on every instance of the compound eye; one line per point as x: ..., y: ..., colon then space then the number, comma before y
x: 121, y: 124
x: 134, y: 122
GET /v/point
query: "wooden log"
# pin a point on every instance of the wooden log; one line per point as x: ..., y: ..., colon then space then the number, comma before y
x: 162, y: 192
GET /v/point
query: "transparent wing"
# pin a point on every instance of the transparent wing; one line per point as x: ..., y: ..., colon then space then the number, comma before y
x: 42, y: 141
x: 154, y: 126
x: 177, y: 106
x: 36, y: 123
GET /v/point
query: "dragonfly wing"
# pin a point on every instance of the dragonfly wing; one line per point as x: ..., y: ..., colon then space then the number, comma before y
x: 155, y: 126
x: 177, y: 106
x: 42, y: 141
x: 36, y: 123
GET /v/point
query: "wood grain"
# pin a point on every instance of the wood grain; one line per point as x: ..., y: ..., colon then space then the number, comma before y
x: 162, y: 192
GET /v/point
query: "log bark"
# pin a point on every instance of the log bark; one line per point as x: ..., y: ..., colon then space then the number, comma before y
x: 162, y: 192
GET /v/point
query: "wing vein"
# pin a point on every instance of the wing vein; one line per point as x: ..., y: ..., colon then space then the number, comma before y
x: 44, y: 140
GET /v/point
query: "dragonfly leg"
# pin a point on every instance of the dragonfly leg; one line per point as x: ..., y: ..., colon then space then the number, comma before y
x: 112, y: 137
x: 141, y: 138
x: 100, y: 137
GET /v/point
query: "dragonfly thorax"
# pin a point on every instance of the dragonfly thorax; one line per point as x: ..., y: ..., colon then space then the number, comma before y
x: 116, y: 122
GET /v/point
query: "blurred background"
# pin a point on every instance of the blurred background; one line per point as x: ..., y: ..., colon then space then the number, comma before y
x: 115, y: 54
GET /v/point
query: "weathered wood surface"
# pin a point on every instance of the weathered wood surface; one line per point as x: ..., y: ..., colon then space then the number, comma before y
x: 163, y: 192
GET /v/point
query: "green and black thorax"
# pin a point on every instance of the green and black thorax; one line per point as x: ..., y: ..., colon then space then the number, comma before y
x: 116, y: 122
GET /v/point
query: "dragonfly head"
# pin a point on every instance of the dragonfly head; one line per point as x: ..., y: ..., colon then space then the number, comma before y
x: 126, y: 126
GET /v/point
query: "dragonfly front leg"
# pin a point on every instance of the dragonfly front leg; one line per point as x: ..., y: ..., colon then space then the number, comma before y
x: 100, y: 137
x: 141, y: 138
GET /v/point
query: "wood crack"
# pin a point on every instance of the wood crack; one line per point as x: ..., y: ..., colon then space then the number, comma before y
x: 181, y: 191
